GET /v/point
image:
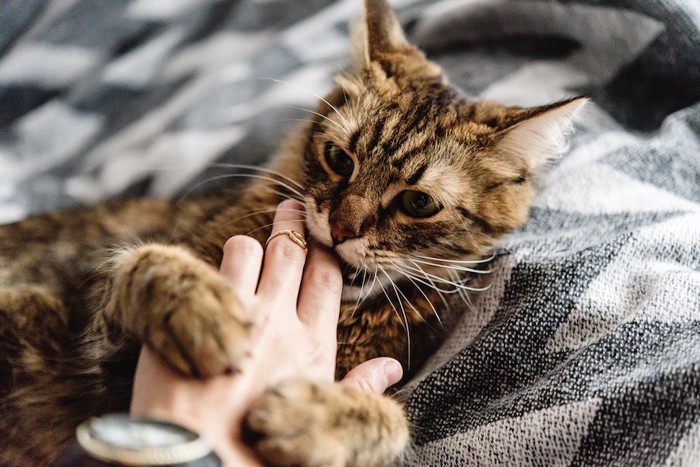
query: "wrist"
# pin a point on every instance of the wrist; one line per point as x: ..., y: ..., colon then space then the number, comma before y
x: 225, y: 439
x: 120, y: 439
x: 214, y: 408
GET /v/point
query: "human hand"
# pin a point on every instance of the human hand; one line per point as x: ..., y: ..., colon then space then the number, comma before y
x: 294, y: 304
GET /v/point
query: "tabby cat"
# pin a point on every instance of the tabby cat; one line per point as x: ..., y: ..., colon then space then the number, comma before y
x: 404, y: 178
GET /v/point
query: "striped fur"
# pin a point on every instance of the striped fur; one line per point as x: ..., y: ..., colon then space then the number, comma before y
x: 72, y: 320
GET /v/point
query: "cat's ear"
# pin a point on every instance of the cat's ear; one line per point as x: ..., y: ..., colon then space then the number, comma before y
x: 377, y: 33
x: 379, y: 43
x: 540, y: 133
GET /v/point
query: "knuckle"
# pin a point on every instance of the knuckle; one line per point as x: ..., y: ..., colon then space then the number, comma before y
x: 326, y: 278
x: 323, y: 354
x: 242, y: 245
x: 290, y: 204
x: 286, y: 250
x: 364, y: 384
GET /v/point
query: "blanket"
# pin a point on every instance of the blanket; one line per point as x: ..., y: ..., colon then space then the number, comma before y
x: 584, y: 349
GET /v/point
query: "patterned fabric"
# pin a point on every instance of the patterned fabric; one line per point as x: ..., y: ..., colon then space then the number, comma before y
x: 585, y: 350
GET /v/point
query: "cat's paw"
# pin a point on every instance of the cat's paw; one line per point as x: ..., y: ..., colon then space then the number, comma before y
x: 325, y: 424
x: 182, y: 308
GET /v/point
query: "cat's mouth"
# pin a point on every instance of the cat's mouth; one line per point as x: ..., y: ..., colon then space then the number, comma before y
x: 355, y: 277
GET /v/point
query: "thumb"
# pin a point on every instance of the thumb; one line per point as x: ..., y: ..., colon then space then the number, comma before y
x: 374, y: 375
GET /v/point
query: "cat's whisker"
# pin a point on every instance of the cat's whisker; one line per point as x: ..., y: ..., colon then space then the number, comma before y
x: 300, y: 120
x: 456, y: 268
x: 266, y: 226
x: 463, y: 280
x: 455, y: 261
x: 203, y: 182
x: 391, y: 303
x: 240, y: 175
x: 352, y: 282
x: 398, y: 289
x: 341, y: 127
x: 476, y: 289
x: 431, y: 278
x: 430, y: 284
x: 369, y: 290
x: 262, y: 227
x: 410, y: 278
x: 286, y: 83
x: 345, y: 96
x: 282, y: 195
x: 462, y: 293
x: 251, y: 214
x: 362, y: 288
x: 442, y: 290
x: 263, y: 211
x: 456, y: 284
x: 293, y: 190
x: 396, y: 312
x: 402, y: 315
x: 228, y: 165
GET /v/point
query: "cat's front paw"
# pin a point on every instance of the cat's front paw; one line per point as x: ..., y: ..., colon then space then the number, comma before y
x: 182, y: 308
x: 325, y: 424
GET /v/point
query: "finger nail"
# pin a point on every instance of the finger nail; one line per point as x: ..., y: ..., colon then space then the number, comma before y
x: 392, y: 371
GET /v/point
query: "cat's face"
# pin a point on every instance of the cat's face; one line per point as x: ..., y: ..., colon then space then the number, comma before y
x: 403, y: 174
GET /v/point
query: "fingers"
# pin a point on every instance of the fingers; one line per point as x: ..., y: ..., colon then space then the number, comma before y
x: 284, y: 259
x: 241, y: 264
x: 284, y: 265
x: 375, y: 375
x: 319, y: 299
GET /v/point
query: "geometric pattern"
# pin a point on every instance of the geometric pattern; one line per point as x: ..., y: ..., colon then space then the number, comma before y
x: 584, y: 350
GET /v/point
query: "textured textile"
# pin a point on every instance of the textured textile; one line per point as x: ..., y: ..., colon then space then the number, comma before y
x: 585, y: 350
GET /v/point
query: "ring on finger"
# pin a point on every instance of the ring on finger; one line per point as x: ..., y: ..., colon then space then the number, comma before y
x: 295, y: 236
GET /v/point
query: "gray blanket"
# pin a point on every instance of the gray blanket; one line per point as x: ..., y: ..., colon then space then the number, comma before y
x: 585, y: 350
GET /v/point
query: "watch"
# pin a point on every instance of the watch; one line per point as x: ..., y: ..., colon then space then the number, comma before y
x: 124, y: 440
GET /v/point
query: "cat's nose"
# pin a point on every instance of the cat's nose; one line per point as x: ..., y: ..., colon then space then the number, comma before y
x: 341, y: 232
x: 351, y: 219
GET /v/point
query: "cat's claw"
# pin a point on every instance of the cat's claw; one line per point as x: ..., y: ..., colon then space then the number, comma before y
x: 182, y: 308
x: 325, y: 424
x: 202, y: 341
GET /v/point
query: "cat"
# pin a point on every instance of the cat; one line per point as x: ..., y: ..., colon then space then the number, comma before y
x: 405, y: 179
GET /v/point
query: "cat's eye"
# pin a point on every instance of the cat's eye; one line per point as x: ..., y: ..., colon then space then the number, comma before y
x: 338, y: 160
x: 418, y: 204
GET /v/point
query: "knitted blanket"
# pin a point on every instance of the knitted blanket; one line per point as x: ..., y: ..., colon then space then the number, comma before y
x: 584, y: 350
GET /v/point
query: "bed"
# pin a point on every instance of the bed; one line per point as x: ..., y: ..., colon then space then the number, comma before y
x: 584, y: 349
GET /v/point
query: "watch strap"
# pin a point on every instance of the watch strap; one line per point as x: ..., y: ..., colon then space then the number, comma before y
x: 75, y: 456
x: 105, y: 441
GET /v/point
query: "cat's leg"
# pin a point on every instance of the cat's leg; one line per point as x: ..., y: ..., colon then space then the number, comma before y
x: 34, y: 324
x: 181, y: 307
x: 304, y: 423
x: 34, y: 338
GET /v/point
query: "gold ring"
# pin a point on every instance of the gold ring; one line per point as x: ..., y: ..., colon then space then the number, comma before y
x: 296, y: 237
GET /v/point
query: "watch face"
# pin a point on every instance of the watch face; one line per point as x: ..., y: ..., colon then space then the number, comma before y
x: 120, y: 430
x: 125, y: 440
